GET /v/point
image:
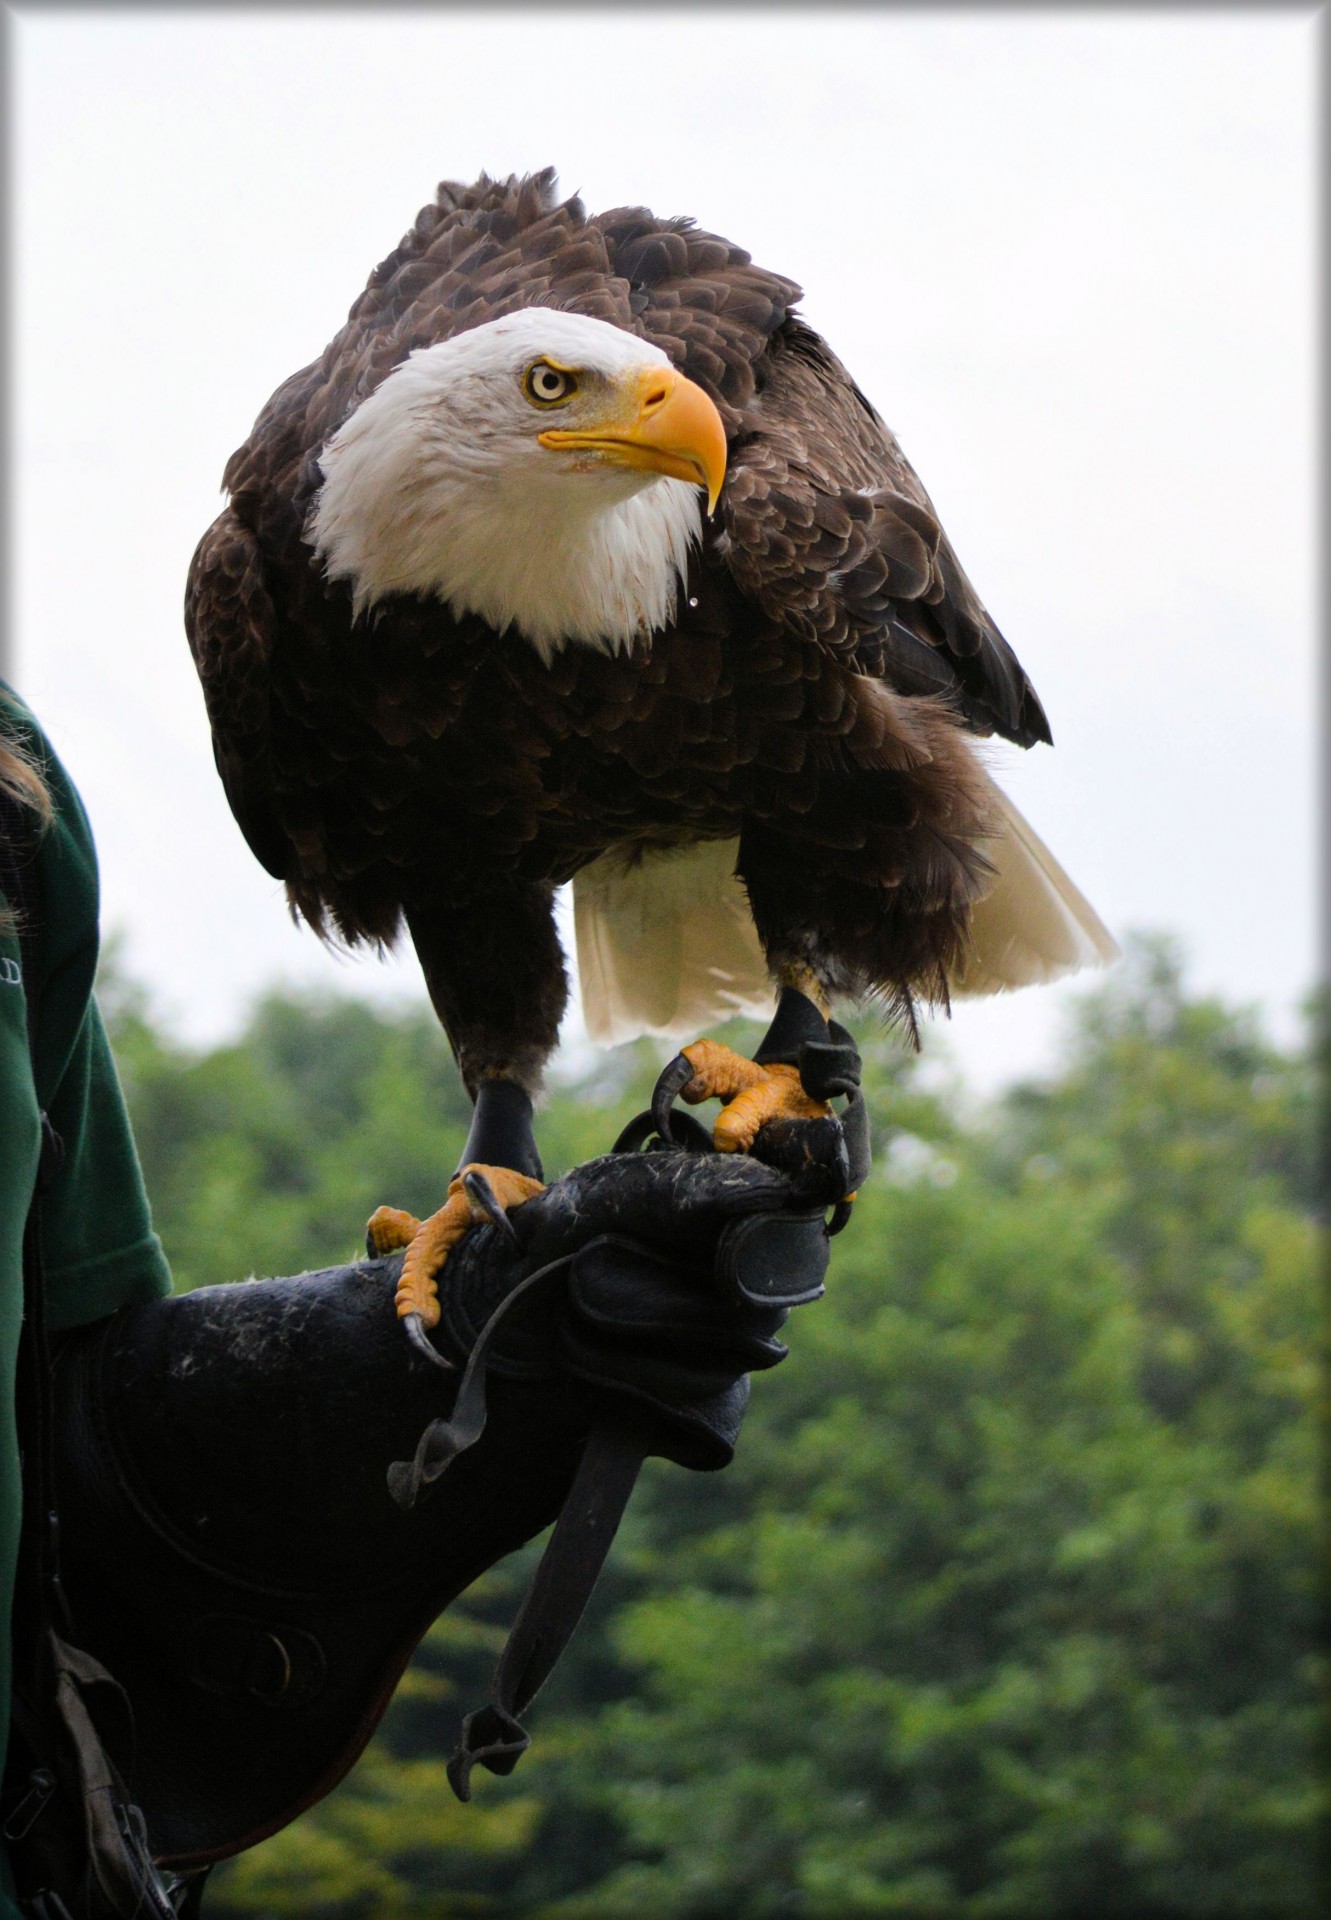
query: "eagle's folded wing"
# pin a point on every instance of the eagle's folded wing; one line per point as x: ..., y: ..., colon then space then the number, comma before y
x: 229, y: 619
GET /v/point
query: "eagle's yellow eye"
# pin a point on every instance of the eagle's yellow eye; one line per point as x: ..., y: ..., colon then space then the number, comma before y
x: 548, y: 384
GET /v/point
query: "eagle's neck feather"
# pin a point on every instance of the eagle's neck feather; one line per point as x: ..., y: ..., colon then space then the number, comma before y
x: 410, y: 505
x: 604, y: 578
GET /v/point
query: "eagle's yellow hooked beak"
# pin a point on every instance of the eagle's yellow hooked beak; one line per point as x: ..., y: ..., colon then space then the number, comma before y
x: 661, y: 422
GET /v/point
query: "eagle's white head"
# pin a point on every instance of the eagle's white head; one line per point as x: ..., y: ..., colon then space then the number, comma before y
x: 542, y: 471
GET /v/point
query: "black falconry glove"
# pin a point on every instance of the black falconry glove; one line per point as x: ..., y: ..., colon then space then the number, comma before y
x: 267, y: 1493
x: 657, y: 1280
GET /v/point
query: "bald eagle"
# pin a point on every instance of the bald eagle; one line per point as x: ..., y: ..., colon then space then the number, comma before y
x: 578, y: 556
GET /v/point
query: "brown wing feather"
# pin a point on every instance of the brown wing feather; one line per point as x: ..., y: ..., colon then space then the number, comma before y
x: 830, y: 531
x: 229, y: 619
x: 701, y: 300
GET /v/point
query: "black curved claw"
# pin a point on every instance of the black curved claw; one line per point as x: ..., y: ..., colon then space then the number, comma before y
x: 443, y: 1440
x: 643, y: 1128
x: 478, y: 1188
x: 414, y: 1328
x: 840, y: 1218
x: 670, y: 1083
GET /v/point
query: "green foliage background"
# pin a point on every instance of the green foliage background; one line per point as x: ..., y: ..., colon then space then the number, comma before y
x: 1009, y: 1604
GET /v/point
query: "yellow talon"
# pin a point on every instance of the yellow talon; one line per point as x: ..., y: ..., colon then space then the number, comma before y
x: 752, y: 1094
x: 429, y: 1242
x: 389, y: 1228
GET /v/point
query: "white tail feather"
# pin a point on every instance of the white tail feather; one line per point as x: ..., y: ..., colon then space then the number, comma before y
x: 1033, y: 925
x: 667, y: 945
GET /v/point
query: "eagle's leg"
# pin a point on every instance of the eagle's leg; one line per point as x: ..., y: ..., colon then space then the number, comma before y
x: 767, y: 1087
x: 496, y: 976
x: 501, y: 1128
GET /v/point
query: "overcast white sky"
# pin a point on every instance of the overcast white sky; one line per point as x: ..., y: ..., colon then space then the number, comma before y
x: 1070, y: 256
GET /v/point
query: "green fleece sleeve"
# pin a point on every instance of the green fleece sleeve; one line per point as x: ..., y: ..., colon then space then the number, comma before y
x: 99, y: 1246
x: 100, y: 1250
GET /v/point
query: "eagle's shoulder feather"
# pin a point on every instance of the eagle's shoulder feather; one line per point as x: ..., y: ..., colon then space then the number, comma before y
x: 829, y: 530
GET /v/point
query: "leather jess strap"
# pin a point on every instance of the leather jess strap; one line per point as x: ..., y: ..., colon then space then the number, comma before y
x: 493, y: 1735
x: 674, y: 1358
